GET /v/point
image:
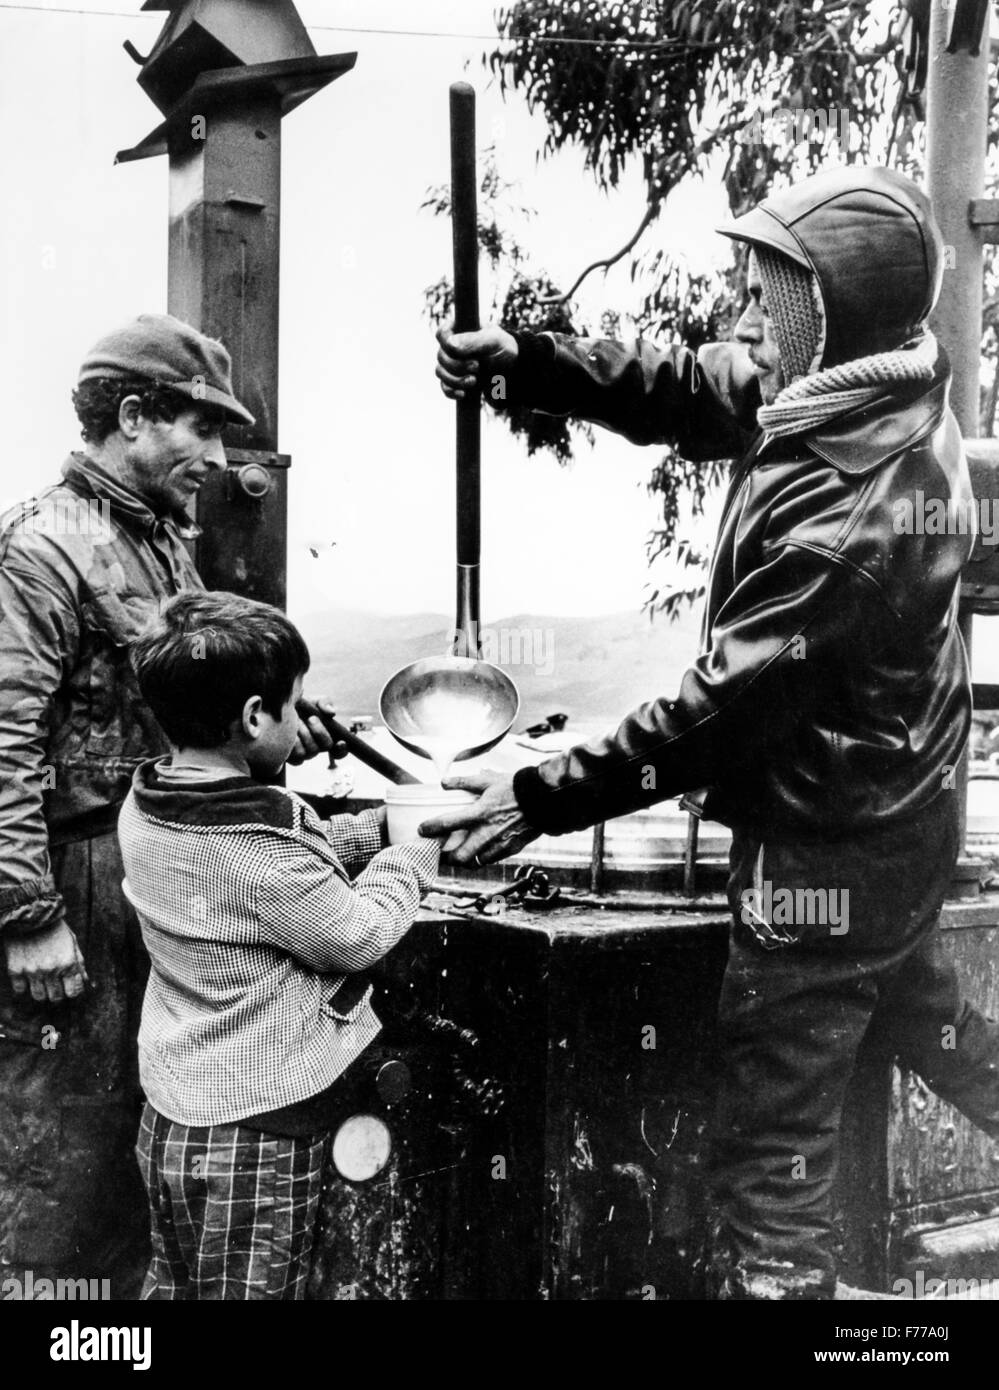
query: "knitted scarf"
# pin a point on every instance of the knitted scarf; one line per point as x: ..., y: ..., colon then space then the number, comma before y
x: 813, y: 400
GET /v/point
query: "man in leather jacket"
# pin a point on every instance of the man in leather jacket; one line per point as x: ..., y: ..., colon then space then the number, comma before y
x: 826, y: 717
x: 83, y: 567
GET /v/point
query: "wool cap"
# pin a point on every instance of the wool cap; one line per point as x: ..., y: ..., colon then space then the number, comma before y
x: 162, y: 349
x: 795, y: 304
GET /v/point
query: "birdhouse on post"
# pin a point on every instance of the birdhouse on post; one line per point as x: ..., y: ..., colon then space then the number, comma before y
x: 202, y: 35
x: 224, y: 73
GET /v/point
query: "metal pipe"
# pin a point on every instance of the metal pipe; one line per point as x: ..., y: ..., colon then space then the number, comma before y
x: 465, y: 238
x: 690, y: 856
x: 597, y: 860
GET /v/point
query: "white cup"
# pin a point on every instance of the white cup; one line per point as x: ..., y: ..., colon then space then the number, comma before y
x: 411, y: 804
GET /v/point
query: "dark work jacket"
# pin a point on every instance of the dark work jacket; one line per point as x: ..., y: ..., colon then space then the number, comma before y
x: 832, y: 693
x: 83, y: 567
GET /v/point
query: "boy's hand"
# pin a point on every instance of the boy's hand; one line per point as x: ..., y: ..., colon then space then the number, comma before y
x: 462, y: 355
x: 314, y: 737
x: 48, y: 963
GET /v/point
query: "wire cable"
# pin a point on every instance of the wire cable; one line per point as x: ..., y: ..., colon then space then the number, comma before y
x: 652, y: 45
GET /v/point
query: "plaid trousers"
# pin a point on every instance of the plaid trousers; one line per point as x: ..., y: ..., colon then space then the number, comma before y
x: 233, y: 1211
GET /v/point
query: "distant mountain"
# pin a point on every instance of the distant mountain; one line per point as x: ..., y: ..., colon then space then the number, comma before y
x: 593, y: 669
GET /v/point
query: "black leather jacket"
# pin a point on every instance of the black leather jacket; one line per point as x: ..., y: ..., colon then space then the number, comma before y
x: 833, y: 691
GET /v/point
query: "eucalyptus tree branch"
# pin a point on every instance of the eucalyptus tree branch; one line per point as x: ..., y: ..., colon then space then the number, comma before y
x: 607, y: 261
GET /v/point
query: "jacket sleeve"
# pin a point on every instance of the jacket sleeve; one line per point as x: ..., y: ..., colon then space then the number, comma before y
x: 705, y: 404
x: 308, y: 910
x: 355, y: 839
x: 782, y: 626
x: 39, y: 638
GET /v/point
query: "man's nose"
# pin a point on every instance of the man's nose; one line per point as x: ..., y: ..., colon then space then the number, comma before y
x: 749, y: 329
x: 215, y: 454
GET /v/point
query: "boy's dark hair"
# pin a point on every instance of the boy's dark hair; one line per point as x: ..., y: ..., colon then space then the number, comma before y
x: 206, y: 655
x: 98, y: 402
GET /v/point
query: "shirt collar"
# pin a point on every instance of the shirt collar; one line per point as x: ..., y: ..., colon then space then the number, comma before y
x: 125, y: 503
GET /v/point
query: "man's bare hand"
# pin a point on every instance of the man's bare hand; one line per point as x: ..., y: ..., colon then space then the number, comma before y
x: 47, y: 963
x: 496, y: 828
x: 462, y: 355
x: 314, y: 737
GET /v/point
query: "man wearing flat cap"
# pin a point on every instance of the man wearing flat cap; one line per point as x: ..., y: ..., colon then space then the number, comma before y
x: 829, y: 709
x: 83, y: 567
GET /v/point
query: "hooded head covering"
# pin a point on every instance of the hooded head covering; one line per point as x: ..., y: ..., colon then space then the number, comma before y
x: 869, y: 237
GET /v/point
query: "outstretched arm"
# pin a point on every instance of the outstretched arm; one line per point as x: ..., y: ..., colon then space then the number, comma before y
x: 705, y: 404
x: 357, y: 838
x: 308, y: 910
x: 743, y: 697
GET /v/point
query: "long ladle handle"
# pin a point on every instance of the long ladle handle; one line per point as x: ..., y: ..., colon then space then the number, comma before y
x: 465, y: 237
x: 361, y: 750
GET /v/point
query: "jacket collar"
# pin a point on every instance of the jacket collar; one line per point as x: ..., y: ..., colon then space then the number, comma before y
x: 83, y: 472
x: 862, y: 439
x: 229, y: 801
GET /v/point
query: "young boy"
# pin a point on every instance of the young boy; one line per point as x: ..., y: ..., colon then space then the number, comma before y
x: 256, y: 1002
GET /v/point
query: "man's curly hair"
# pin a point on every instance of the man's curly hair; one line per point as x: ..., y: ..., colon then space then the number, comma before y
x: 98, y: 401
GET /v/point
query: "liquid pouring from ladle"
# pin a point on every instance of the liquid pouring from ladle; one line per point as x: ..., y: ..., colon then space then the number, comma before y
x: 453, y: 707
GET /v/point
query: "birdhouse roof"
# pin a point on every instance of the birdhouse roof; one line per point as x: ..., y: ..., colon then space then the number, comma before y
x: 204, y: 35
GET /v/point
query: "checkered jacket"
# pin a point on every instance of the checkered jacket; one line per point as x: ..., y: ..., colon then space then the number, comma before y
x: 253, y: 925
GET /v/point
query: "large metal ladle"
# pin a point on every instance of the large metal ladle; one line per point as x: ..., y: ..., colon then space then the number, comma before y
x: 449, y: 708
x: 458, y: 705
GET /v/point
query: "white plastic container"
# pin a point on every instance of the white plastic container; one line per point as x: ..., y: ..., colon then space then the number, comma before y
x: 411, y: 804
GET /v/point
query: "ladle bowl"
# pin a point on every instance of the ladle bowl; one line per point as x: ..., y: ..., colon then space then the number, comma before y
x: 449, y: 703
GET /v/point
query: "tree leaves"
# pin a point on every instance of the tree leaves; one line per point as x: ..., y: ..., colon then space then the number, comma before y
x: 624, y: 79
